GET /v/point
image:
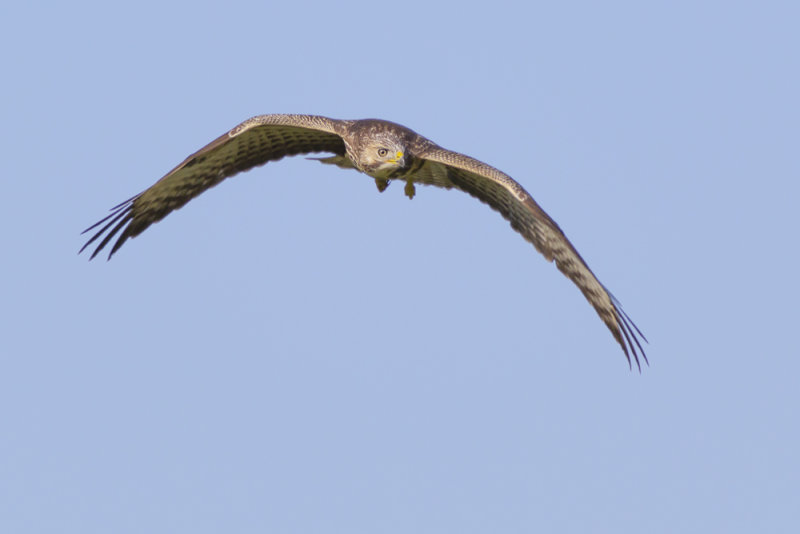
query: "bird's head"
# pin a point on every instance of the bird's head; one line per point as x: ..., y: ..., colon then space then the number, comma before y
x: 383, y: 157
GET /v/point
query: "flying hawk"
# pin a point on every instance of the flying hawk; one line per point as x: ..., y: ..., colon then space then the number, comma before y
x: 385, y: 151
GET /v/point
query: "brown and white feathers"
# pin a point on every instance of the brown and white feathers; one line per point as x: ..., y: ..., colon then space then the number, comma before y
x: 385, y: 151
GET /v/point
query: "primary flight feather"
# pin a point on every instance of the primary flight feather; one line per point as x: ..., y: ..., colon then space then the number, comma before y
x: 385, y: 151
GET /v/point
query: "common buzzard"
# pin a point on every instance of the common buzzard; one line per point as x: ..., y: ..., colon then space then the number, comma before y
x: 385, y: 151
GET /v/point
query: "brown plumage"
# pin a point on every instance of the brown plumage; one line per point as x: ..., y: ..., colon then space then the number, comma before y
x: 384, y: 151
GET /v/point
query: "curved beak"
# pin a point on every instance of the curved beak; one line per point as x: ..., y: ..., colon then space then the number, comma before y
x: 397, y: 159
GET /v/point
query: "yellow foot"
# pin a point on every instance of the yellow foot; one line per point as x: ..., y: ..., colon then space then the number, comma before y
x: 382, y: 184
x: 410, y: 190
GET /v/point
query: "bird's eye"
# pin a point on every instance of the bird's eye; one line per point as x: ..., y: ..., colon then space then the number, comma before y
x: 382, y: 152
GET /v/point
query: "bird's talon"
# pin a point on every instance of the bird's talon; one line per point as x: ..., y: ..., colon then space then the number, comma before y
x: 382, y: 184
x: 410, y: 190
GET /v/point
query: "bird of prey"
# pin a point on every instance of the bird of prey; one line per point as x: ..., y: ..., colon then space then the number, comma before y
x: 384, y: 151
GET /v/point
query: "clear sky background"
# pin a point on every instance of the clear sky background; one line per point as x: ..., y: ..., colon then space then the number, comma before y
x: 294, y: 352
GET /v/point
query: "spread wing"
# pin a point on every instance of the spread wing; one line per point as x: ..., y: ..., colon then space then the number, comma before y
x: 254, y: 142
x: 505, y: 195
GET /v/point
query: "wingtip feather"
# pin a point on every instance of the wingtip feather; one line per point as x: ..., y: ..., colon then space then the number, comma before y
x: 120, y: 216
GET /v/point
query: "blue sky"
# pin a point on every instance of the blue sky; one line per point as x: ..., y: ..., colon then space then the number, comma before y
x: 294, y: 352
